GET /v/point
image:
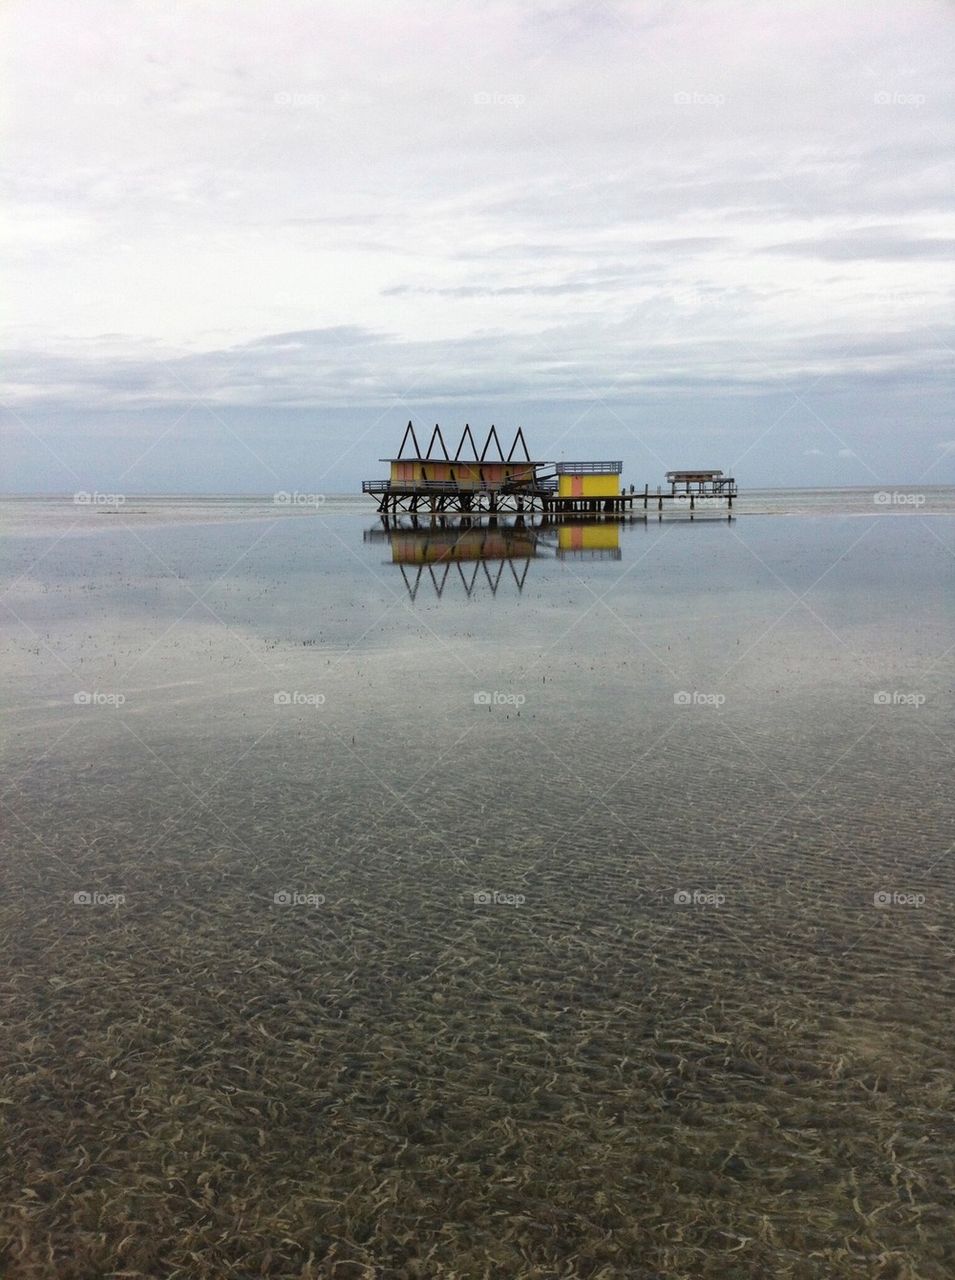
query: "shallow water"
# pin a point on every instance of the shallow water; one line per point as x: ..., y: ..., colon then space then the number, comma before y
x: 584, y: 909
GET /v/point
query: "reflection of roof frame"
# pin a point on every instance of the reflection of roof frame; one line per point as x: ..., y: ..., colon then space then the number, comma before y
x: 439, y: 580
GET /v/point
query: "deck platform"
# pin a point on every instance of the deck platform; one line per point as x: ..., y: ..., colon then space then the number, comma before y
x: 442, y: 497
x: 692, y: 501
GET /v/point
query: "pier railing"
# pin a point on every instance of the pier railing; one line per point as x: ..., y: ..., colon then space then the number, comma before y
x: 589, y: 468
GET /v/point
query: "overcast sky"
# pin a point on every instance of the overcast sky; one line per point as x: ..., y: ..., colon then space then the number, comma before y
x: 245, y: 242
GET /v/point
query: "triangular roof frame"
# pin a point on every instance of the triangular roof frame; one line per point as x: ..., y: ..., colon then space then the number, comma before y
x: 409, y: 430
x: 492, y: 435
x: 466, y: 434
x: 520, y: 437
x: 436, y: 434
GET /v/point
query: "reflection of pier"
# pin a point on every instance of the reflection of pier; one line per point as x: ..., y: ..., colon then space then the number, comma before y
x: 491, y: 550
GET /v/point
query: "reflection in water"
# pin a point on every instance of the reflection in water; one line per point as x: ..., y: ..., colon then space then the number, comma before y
x: 597, y: 540
x: 483, y: 552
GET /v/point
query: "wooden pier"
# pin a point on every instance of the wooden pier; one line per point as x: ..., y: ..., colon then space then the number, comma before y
x: 488, y: 482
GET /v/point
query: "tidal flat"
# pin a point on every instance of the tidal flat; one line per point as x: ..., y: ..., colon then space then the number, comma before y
x: 374, y: 908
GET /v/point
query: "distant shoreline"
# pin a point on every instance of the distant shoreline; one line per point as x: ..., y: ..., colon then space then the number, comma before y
x: 356, y: 496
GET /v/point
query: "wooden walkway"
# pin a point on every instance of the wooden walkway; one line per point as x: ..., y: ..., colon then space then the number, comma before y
x: 703, y: 499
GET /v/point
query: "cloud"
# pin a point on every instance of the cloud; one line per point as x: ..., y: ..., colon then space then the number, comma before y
x: 606, y: 284
x: 675, y: 343
x: 483, y: 204
x: 859, y: 246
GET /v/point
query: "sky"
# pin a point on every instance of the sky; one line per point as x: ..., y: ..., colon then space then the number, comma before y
x: 244, y: 243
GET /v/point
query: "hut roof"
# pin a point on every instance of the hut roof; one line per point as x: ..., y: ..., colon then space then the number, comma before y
x: 437, y: 450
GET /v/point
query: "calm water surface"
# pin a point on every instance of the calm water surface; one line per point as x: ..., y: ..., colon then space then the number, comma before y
x: 543, y: 901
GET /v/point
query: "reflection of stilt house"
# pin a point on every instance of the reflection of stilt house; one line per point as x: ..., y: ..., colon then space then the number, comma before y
x: 408, y: 546
x: 490, y: 550
x: 473, y: 554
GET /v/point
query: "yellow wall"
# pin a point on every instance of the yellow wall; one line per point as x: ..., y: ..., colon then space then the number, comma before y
x: 599, y: 486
